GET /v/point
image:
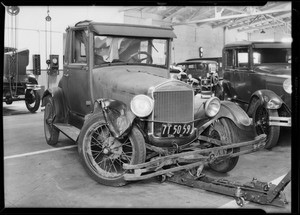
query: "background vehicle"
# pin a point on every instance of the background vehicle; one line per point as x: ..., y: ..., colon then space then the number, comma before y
x: 17, y: 83
x: 257, y: 76
x: 216, y: 59
x: 123, y: 108
x: 200, y: 74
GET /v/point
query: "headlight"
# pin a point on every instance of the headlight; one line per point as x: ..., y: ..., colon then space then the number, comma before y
x: 287, y: 86
x: 141, y: 105
x: 212, y: 106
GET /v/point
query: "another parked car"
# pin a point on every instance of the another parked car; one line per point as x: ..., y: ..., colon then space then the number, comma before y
x: 257, y: 75
x: 18, y: 84
x: 116, y: 99
x: 201, y: 74
x: 216, y: 59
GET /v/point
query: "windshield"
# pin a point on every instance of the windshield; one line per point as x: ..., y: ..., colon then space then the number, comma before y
x: 271, y: 55
x: 130, y: 50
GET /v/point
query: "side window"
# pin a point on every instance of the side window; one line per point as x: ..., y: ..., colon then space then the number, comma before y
x: 242, y: 58
x: 229, y: 59
x: 79, y: 46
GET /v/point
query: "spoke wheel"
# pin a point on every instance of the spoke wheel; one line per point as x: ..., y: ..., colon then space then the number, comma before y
x: 261, y: 125
x: 103, y: 155
x: 32, y: 100
x: 51, y: 133
x: 224, y: 130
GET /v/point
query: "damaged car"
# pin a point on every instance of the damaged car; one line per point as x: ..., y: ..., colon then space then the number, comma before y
x: 129, y: 119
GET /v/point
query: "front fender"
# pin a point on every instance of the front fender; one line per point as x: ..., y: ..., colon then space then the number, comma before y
x: 267, y: 98
x: 59, y: 103
x: 117, y: 115
x: 235, y: 113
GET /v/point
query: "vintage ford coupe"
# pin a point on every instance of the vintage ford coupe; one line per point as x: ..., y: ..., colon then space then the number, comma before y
x: 257, y: 76
x: 117, y: 100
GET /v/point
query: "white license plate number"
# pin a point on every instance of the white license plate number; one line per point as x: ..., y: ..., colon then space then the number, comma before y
x: 177, y: 130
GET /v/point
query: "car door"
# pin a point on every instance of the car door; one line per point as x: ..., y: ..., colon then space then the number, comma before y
x: 76, y: 73
x: 242, y: 74
x: 229, y: 72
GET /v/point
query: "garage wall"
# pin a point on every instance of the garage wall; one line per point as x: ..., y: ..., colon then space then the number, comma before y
x: 31, y: 25
x: 189, y: 37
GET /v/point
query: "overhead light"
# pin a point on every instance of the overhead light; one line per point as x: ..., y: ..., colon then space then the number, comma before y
x: 262, y: 31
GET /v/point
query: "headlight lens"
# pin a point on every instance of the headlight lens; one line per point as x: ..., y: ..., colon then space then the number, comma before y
x: 212, y: 106
x: 141, y: 105
x: 287, y: 86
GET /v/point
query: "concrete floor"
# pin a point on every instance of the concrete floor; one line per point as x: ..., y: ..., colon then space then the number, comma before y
x: 35, y: 175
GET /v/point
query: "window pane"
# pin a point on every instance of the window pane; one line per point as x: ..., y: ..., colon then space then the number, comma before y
x: 130, y: 50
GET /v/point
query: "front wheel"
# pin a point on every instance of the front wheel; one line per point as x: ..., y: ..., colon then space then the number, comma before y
x: 32, y: 100
x: 261, y: 124
x: 103, y: 155
x: 224, y: 129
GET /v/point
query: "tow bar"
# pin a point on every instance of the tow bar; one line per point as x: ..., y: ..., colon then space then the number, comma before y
x: 178, y: 168
x: 255, y: 191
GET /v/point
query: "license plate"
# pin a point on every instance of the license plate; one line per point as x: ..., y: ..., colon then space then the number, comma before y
x: 177, y: 130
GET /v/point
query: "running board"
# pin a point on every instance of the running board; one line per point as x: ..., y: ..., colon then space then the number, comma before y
x: 70, y: 131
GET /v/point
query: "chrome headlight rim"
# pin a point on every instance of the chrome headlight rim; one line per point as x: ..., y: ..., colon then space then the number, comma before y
x: 287, y: 85
x: 208, y: 105
x: 145, y: 99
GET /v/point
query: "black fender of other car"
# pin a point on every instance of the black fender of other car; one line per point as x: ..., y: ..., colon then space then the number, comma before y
x: 118, y: 116
x: 59, y: 103
x: 264, y: 96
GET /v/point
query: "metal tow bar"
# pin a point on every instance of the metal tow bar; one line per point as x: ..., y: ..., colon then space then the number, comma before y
x: 190, y: 159
x: 169, y: 168
x: 255, y: 191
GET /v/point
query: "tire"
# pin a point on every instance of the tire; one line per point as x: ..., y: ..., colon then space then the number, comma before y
x: 102, y: 155
x: 225, y: 130
x: 51, y: 133
x: 33, y: 100
x: 261, y: 124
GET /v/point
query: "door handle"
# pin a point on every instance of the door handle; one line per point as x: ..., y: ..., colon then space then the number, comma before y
x: 66, y: 75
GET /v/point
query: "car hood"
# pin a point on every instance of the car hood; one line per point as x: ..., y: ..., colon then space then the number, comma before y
x: 130, y: 79
x: 274, y: 69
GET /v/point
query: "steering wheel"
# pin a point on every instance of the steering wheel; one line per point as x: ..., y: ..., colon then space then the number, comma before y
x: 135, y: 59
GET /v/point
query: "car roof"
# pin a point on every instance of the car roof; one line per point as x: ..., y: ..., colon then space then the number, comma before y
x: 122, y: 29
x: 259, y: 44
x: 196, y: 61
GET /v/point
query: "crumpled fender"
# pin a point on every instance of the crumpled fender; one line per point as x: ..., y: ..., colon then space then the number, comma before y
x: 235, y: 113
x: 59, y: 103
x: 117, y: 115
x: 264, y: 96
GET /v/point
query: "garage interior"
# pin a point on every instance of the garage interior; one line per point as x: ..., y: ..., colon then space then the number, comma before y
x: 37, y: 175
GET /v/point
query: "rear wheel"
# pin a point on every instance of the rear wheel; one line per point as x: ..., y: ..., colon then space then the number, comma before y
x: 224, y: 130
x: 261, y: 124
x: 51, y: 132
x: 103, y: 155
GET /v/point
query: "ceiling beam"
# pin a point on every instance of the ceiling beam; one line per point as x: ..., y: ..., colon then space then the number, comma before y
x: 257, y: 21
x: 174, y: 14
x: 233, y: 16
x: 260, y: 27
x: 130, y: 8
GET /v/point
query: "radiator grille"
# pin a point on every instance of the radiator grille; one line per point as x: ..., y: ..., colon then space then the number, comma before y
x: 172, y: 106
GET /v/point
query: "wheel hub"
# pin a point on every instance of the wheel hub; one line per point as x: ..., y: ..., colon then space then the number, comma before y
x: 112, y: 147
